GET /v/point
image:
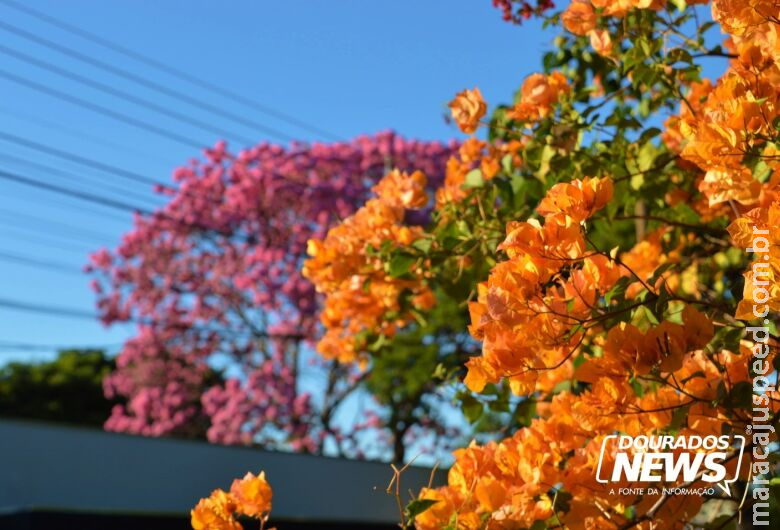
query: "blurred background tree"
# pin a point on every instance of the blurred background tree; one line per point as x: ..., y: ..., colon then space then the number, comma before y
x: 68, y: 389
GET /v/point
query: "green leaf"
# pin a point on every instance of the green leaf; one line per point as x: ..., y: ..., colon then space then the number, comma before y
x: 727, y: 338
x: 474, y: 179
x: 548, y: 152
x: 423, y: 245
x: 400, y: 264
x: 646, y: 156
x: 418, y: 506
x: 741, y: 396
x: 679, y: 416
x: 525, y: 412
x: 472, y: 408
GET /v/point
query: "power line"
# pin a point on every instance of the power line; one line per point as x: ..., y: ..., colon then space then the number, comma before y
x: 46, y: 309
x: 108, y: 89
x: 64, y: 205
x: 41, y: 264
x: 99, y: 109
x: 76, y: 133
x: 87, y: 162
x: 97, y: 199
x: 36, y: 239
x: 69, y: 229
x: 89, y: 197
x: 73, y: 176
x: 175, y: 72
x: 153, y: 85
x: 32, y: 347
x: 65, y: 155
x: 103, y: 167
x: 66, y: 312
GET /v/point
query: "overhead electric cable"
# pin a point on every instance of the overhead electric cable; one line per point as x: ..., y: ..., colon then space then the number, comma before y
x: 41, y: 264
x: 48, y: 170
x: 108, y: 89
x: 99, y: 109
x: 153, y: 85
x: 46, y: 309
x: 89, y: 197
x: 66, y: 155
x: 170, y: 70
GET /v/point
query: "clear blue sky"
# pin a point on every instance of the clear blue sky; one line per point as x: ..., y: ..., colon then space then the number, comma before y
x: 347, y: 66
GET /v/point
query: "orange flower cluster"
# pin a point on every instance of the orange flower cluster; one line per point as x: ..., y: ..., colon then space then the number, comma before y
x: 734, y: 123
x: 744, y: 17
x: 620, y: 8
x: 580, y: 19
x: 629, y: 351
x: 764, y: 275
x: 545, y: 303
x: 538, y: 95
x: 512, y: 484
x: 467, y: 109
x: 527, y: 309
x: 473, y: 154
x: 249, y: 496
x: 360, y: 296
x: 735, y: 117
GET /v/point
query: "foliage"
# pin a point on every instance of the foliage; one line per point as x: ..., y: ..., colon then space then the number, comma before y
x: 213, y: 279
x: 67, y: 389
x: 597, y: 240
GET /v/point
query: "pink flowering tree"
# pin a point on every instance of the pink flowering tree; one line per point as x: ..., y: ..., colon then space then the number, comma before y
x: 225, y: 319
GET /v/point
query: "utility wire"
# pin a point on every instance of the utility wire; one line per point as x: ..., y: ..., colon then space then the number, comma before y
x: 97, y: 199
x: 99, y: 109
x: 41, y: 264
x: 36, y: 239
x: 50, y: 125
x: 65, y: 206
x: 88, y: 162
x: 108, y: 89
x: 170, y: 70
x: 100, y: 165
x: 74, y: 177
x: 153, y: 85
x: 85, y: 196
x: 46, y: 310
x: 67, y: 312
x: 31, y: 347
x: 62, y: 237
x: 69, y: 229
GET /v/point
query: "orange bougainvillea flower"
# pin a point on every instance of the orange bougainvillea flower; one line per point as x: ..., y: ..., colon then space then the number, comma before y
x: 601, y: 42
x: 734, y: 116
x: 467, y: 109
x: 249, y: 496
x: 538, y: 95
x: 215, y: 513
x: 525, y: 328
x: 252, y: 495
x: 576, y: 200
x: 723, y: 185
x: 403, y: 190
x: 740, y: 16
x: 619, y: 8
x: 359, y: 292
x: 579, y: 18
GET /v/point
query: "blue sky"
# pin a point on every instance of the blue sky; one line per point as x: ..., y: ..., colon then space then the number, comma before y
x: 347, y: 66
